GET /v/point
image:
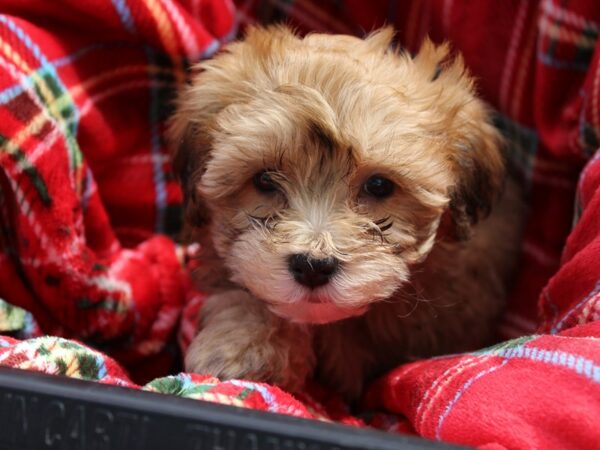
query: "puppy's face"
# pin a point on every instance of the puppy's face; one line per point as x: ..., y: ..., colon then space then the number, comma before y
x: 322, y: 167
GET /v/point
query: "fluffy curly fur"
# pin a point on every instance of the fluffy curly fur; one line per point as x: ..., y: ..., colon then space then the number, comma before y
x: 422, y: 272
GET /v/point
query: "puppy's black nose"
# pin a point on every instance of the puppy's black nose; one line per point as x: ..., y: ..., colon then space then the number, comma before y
x: 312, y: 272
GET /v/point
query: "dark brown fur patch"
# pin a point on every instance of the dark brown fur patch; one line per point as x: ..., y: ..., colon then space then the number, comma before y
x: 189, y: 162
x: 323, y: 137
x: 474, y: 196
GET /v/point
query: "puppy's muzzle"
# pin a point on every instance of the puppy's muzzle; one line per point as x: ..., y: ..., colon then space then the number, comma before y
x: 312, y: 272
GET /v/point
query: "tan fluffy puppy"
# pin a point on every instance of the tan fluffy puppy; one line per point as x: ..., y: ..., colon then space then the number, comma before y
x: 336, y: 186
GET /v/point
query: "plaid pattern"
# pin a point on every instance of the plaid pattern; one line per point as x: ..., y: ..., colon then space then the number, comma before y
x: 57, y: 356
x: 88, y: 197
x: 17, y: 322
x: 86, y: 192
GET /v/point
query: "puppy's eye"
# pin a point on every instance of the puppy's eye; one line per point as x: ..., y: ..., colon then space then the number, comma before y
x: 378, y: 186
x: 263, y: 182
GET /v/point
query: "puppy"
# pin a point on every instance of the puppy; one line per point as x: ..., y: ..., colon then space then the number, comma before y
x: 338, y: 189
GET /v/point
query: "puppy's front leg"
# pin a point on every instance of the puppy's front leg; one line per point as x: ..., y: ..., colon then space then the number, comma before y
x: 240, y: 338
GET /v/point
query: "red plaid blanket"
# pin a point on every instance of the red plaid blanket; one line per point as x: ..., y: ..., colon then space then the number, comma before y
x: 89, y: 205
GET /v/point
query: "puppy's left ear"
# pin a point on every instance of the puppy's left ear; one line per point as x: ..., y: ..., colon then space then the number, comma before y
x: 475, y: 147
x: 479, y: 171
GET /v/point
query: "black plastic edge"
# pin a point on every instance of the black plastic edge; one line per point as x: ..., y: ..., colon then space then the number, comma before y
x: 39, y: 411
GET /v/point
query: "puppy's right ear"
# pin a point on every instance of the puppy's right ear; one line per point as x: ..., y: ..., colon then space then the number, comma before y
x: 215, y: 84
x: 190, y: 152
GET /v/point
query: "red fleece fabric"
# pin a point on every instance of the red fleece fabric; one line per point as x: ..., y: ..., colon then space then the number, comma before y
x: 89, y: 204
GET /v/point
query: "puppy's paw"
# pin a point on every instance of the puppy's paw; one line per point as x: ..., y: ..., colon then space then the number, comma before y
x: 240, y: 339
x: 240, y: 359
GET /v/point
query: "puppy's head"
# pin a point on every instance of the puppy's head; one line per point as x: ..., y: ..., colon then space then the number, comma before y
x: 322, y: 166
